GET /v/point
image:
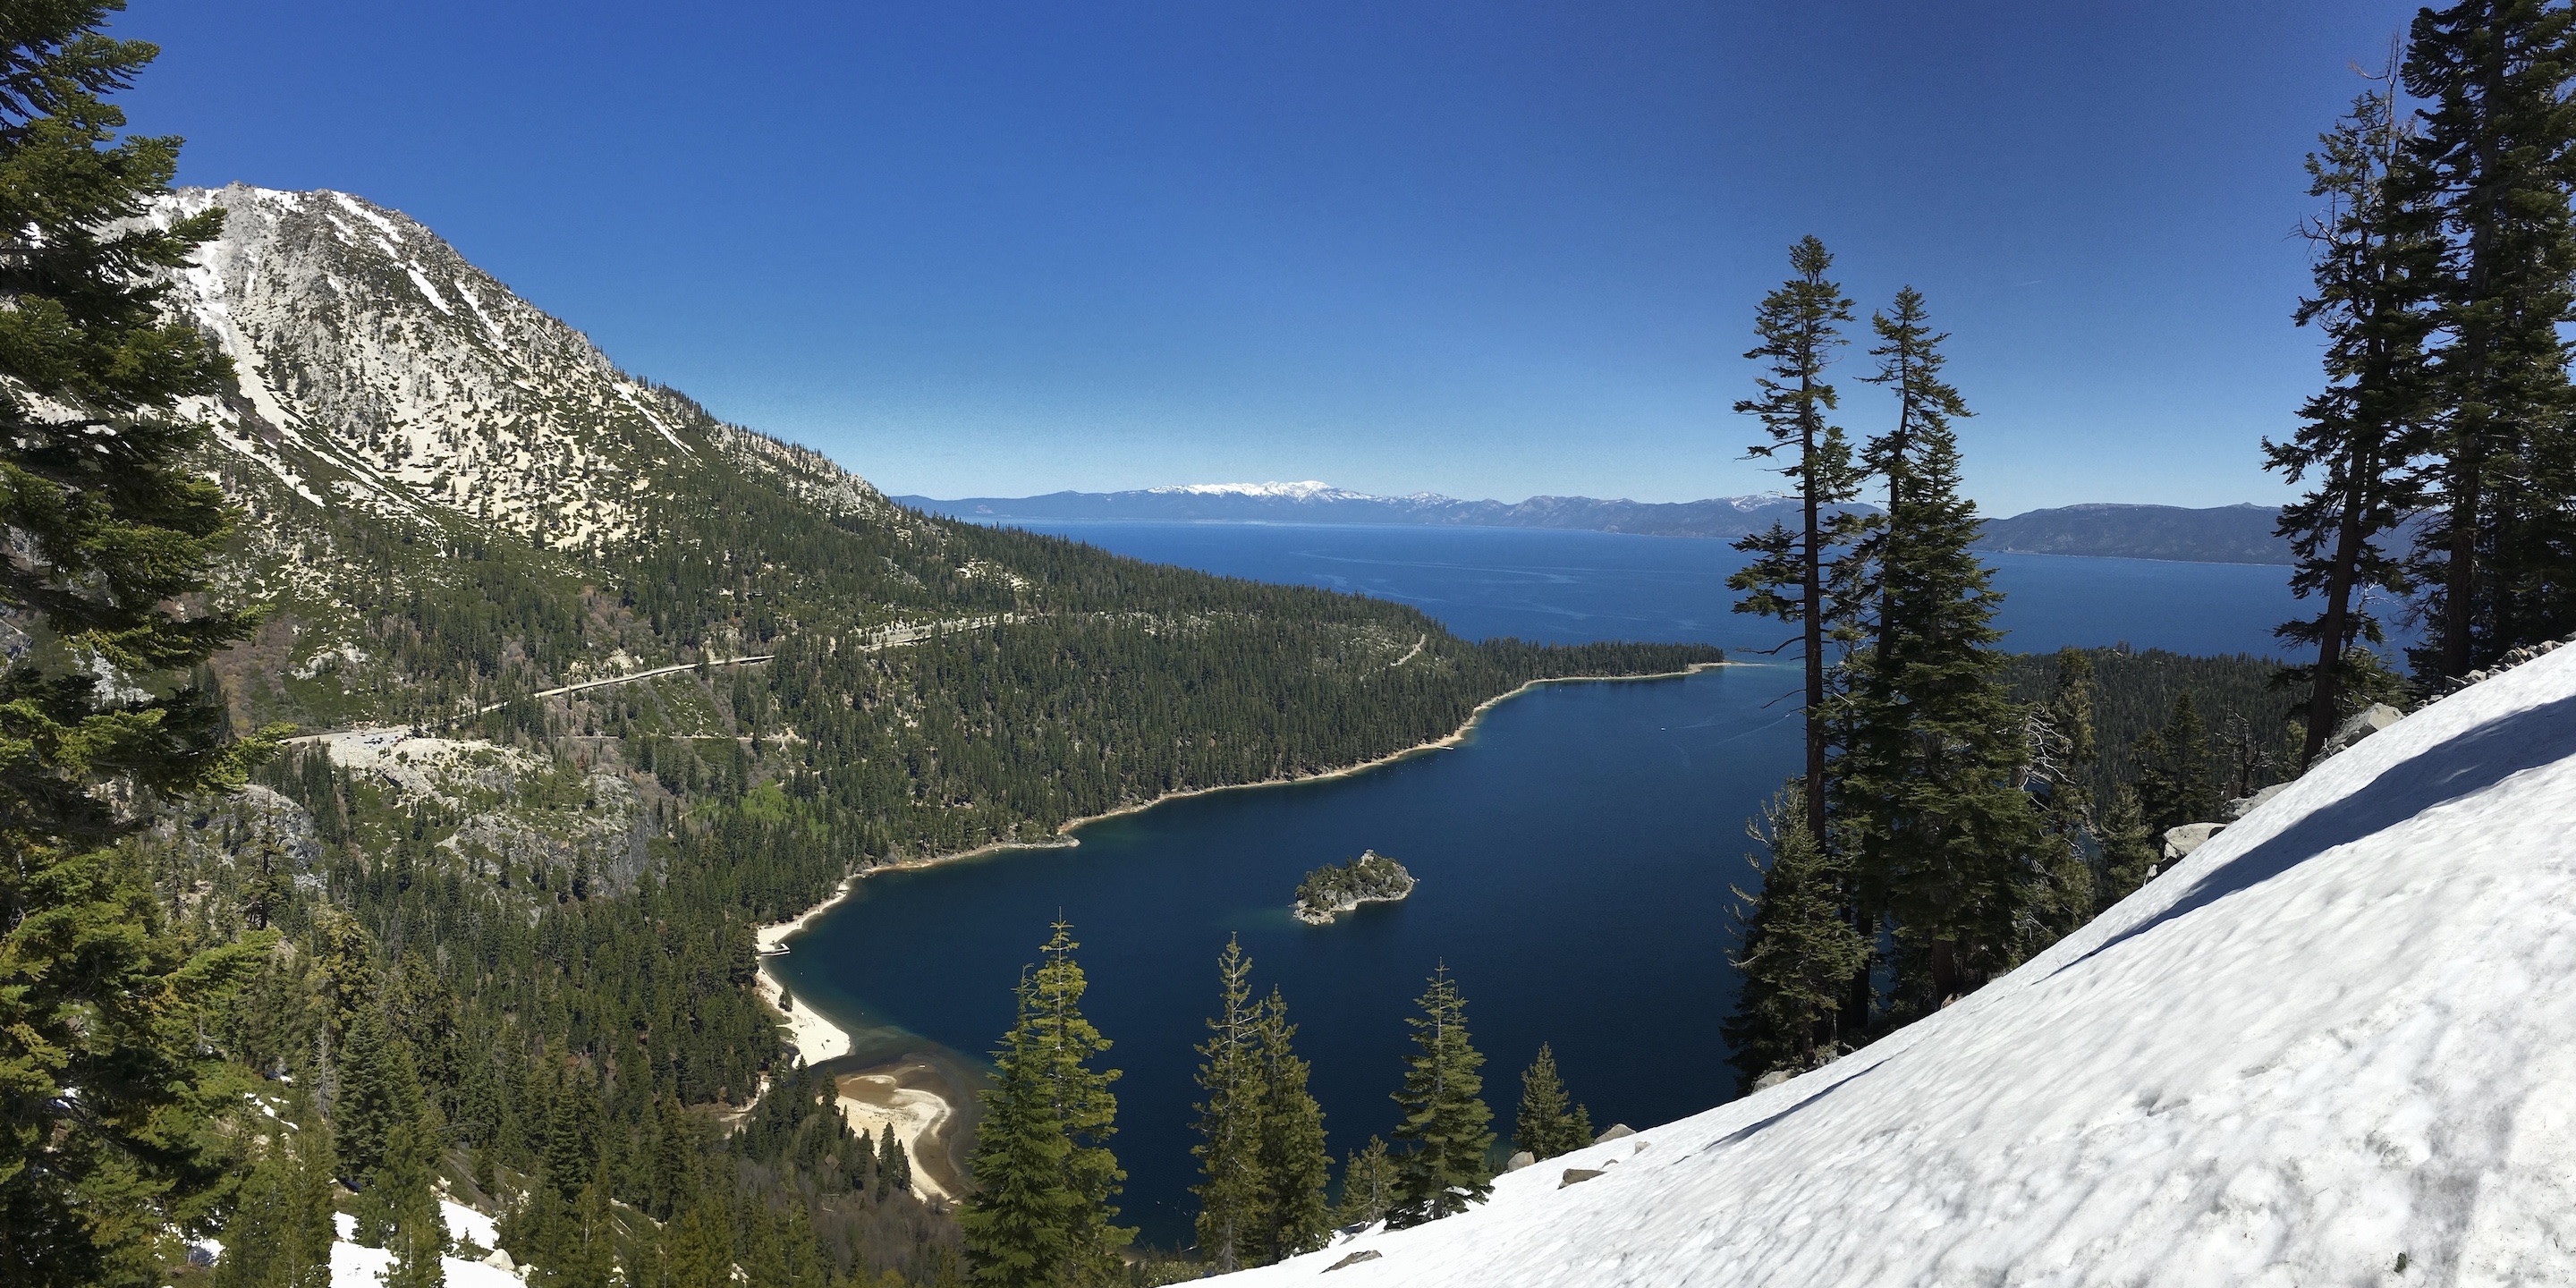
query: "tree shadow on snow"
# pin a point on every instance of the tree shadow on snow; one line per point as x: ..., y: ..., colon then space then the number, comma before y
x: 2467, y: 764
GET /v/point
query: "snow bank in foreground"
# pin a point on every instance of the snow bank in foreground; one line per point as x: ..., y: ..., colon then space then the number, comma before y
x: 2340, y: 1034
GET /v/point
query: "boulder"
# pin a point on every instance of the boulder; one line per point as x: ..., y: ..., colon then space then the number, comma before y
x: 1772, y: 1079
x: 1364, y: 1254
x: 2244, y: 805
x: 2181, y: 841
x: 1578, y: 1175
x: 2361, y: 724
x: 1616, y: 1131
x: 1520, y: 1160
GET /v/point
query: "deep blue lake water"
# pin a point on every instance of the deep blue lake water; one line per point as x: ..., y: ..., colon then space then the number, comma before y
x: 1575, y: 854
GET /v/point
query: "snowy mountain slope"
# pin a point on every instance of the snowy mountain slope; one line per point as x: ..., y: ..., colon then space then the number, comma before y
x: 378, y: 368
x: 2337, y: 1045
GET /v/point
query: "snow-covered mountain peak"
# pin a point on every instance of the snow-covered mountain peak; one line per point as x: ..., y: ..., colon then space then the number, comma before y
x: 1309, y: 490
x: 2334, y: 1046
x: 378, y: 368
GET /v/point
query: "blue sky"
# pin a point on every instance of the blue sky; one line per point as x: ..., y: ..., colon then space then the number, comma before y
x: 1487, y: 249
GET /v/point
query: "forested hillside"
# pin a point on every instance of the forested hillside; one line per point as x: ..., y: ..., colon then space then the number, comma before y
x: 2239, y: 697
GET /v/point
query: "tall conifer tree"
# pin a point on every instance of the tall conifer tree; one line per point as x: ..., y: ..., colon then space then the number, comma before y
x: 1789, y: 575
x: 1445, y: 1120
x: 255, y: 1238
x: 1045, y: 1179
x: 110, y: 532
x: 1799, y: 950
x: 2062, y: 748
x: 2494, y: 157
x: 2174, y: 783
x: 1931, y: 781
x: 1294, y: 1165
x: 1231, y: 1189
x: 377, y: 1092
x: 312, y: 1221
x: 2130, y: 851
x: 401, y: 1193
x: 2376, y: 259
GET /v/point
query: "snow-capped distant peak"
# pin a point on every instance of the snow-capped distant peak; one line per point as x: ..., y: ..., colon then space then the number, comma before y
x: 1309, y: 490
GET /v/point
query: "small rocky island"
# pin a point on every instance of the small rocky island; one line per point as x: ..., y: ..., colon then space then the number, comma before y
x: 1336, y: 888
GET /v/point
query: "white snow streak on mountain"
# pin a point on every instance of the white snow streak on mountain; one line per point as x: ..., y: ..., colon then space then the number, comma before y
x: 2342, y: 1032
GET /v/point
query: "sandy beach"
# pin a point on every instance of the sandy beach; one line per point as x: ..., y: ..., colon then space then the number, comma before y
x: 815, y: 1038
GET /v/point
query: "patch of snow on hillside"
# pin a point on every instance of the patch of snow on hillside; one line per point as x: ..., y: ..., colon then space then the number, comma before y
x: 421, y: 280
x: 353, y: 1266
x: 465, y: 1225
x: 627, y: 392
x: 359, y: 208
x: 2337, y: 1035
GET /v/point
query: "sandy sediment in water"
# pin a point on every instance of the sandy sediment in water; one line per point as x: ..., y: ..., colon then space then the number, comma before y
x: 914, y: 1099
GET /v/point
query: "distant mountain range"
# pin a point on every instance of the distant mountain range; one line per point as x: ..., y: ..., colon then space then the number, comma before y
x: 2222, y: 534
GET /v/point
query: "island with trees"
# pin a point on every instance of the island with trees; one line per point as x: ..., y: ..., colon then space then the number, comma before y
x: 1336, y: 888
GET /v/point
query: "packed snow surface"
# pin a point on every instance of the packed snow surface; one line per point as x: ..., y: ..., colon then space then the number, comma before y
x: 2340, y: 1034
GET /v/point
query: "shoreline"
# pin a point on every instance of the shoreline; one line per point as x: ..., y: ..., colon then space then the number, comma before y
x: 771, y: 939
x: 915, y: 1100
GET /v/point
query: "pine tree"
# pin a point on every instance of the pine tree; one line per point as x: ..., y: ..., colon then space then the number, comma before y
x: 574, y: 1133
x: 697, y: 1250
x: 264, y: 887
x: 2061, y: 751
x: 280, y: 1232
x: 1232, y: 1187
x: 764, y: 1258
x: 112, y: 531
x: 1545, y: 1127
x: 2376, y: 260
x: 1041, y: 1212
x: 1368, y: 1186
x: 1444, y: 1120
x: 2130, y: 850
x: 893, y: 1166
x: 1799, y: 950
x: 1930, y: 785
x: 2174, y: 781
x: 377, y: 1093
x: 255, y: 1238
x: 402, y: 1193
x: 1294, y: 1165
x: 1787, y: 577
x: 2494, y: 159
x: 1018, y: 1224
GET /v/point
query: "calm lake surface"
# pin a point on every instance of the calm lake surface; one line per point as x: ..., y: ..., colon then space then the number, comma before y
x: 1574, y: 855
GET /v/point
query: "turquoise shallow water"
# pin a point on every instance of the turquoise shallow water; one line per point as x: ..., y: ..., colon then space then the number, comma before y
x: 1575, y: 853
